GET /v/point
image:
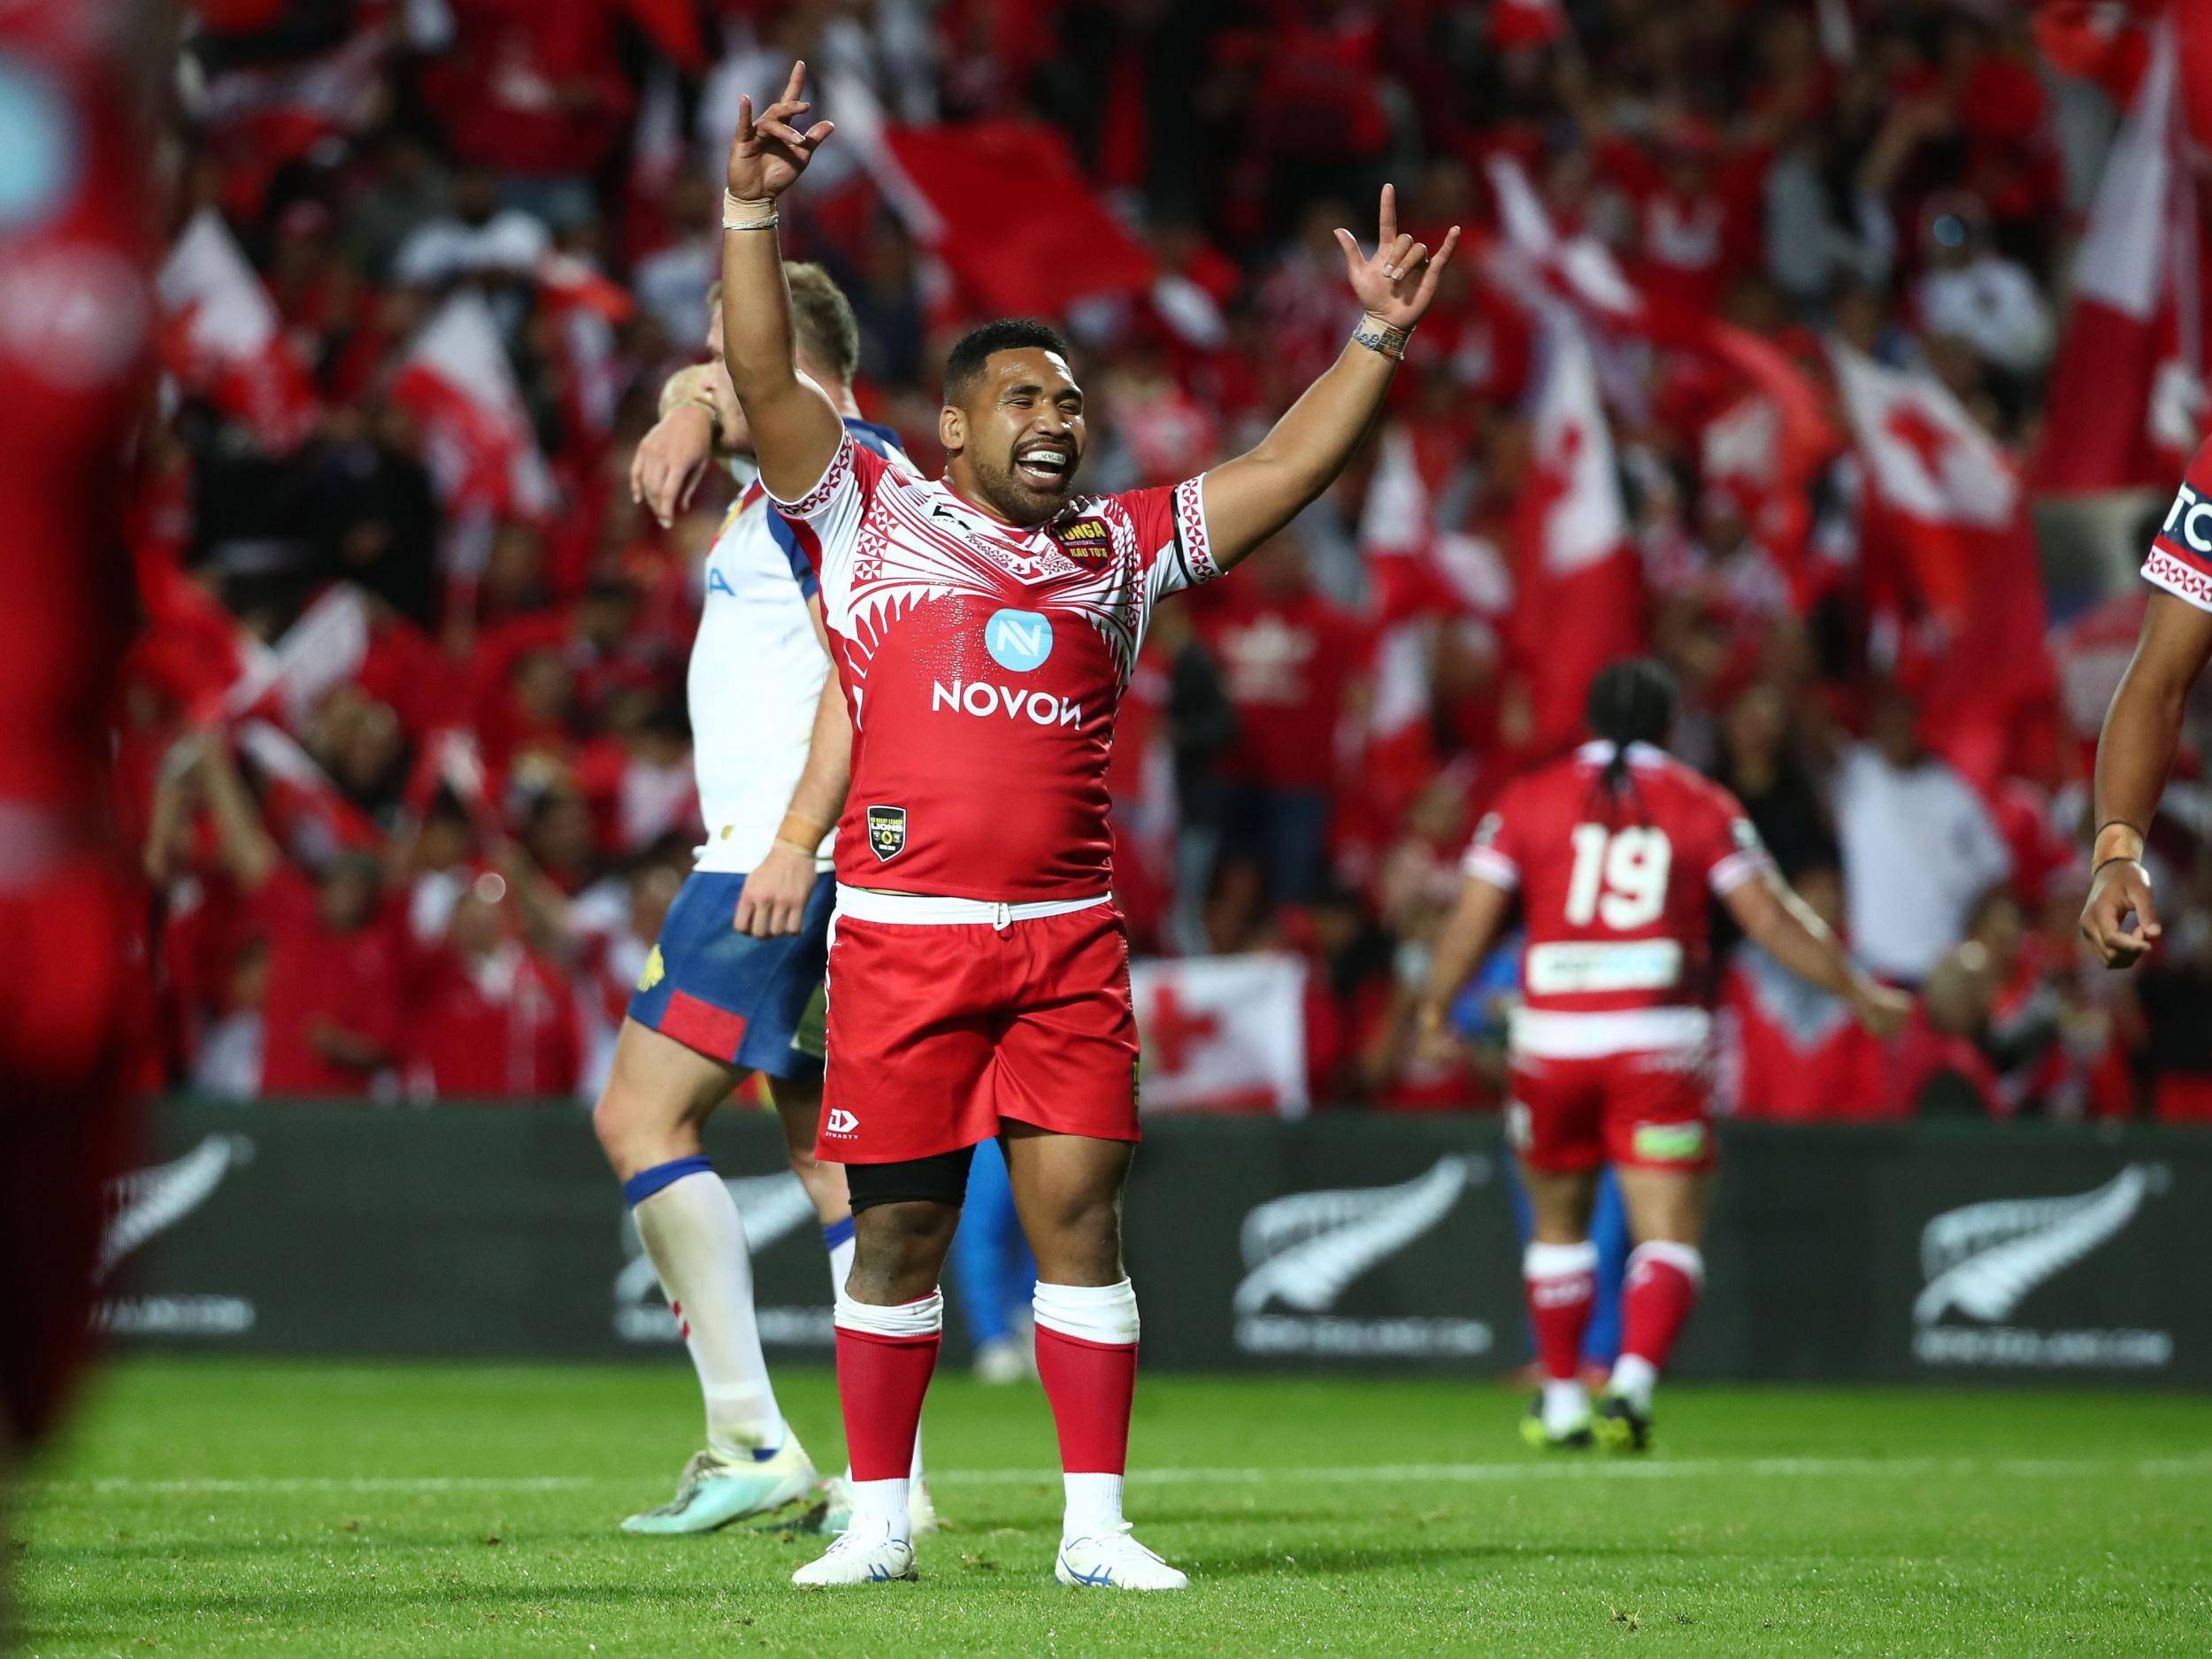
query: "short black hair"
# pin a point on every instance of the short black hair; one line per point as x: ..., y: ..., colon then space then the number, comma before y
x: 973, y: 349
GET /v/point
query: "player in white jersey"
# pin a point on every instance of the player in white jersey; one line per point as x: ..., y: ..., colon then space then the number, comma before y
x: 734, y: 981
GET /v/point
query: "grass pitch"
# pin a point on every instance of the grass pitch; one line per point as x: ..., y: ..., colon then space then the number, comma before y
x: 266, y: 1509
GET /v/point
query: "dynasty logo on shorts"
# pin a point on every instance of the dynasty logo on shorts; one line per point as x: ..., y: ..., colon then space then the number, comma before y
x: 887, y: 831
x: 840, y: 1122
x: 1086, y: 541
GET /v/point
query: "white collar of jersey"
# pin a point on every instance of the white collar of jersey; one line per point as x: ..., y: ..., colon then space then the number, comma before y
x: 1599, y: 750
x: 979, y: 518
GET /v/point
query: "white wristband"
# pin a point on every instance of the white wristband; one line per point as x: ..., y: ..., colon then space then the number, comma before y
x: 740, y: 214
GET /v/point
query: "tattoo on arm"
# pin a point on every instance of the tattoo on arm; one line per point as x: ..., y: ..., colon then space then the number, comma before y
x: 1382, y: 337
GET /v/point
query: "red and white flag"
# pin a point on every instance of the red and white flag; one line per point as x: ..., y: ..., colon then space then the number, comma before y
x: 1938, y: 481
x: 221, y: 336
x: 320, y: 652
x: 457, y: 382
x: 1223, y: 1034
x: 1945, y: 516
x: 1576, y: 577
x: 2128, y: 402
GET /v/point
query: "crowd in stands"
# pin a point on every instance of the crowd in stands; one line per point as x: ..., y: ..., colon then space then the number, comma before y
x: 405, y: 737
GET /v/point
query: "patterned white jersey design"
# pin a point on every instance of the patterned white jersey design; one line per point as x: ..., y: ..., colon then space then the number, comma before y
x: 984, y: 666
x: 755, y: 675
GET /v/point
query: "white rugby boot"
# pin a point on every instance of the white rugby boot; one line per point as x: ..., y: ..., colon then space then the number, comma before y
x: 1114, y: 1561
x: 851, y: 1560
x: 719, y: 1487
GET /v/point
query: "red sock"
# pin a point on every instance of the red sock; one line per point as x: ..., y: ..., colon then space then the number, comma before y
x: 1090, y: 1385
x: 1561, y: 1281
x: 881, y: 1382
x: 1664, y: 1280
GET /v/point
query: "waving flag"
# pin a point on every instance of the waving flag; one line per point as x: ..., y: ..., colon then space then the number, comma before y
x: 1945, y: 509
x: 1064, y: 247
x: 457, y: 382
x: 221, y: 336
x: 1579, y: 582
x: 2128, y: 401
x: 1775, y: 439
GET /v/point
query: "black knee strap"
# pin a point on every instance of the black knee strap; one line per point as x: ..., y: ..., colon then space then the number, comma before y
x: 942, y: 1180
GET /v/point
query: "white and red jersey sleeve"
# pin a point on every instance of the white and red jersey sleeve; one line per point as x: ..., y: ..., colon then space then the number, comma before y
x: 826, y: 521
x: 1174, y: 550
x: 1617, y: 887
x: 2180, y: 559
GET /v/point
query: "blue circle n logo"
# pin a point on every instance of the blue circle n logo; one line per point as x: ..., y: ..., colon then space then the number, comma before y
x: 1019, y: 640
x: 39, y: 146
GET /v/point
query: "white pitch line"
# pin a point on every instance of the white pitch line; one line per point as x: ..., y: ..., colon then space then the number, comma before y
x: 1349, y: 1474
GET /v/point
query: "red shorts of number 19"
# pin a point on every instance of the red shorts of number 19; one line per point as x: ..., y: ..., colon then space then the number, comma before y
x: 1649, y: 1110
x: 941, y: 1030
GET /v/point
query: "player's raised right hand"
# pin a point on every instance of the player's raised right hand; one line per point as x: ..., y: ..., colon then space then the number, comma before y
x: 770, y: 153
x: 2122, y: 888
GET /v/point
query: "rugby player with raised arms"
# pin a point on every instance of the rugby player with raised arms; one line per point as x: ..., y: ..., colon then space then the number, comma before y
x: 984, y: 626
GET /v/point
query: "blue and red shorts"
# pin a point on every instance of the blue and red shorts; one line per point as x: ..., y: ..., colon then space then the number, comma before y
x: 743, y: 1001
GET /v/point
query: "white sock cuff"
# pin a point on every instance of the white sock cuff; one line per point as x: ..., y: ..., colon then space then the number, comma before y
x: 1686, y: 1259
x: 1105, y: 1314
x: 1559, y: 1260
x: 903, y: 1322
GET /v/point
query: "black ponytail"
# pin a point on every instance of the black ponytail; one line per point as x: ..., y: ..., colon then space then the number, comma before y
x: 1632, y: 701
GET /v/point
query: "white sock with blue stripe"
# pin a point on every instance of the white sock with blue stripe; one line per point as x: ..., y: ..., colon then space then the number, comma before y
x: 690, y: 1228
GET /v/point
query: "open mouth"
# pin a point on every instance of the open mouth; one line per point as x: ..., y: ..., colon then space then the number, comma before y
x: 1045, y: 465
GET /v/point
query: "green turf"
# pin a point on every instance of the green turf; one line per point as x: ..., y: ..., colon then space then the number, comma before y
x: 448, y: 1510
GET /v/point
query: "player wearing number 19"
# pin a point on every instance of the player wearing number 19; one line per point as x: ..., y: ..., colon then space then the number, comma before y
x: 1613, y: 851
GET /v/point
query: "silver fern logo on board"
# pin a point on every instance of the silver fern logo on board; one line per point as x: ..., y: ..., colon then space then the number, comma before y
x: 1983, y: 1261
x: 146, y: 1203
x: 1303, y: 1252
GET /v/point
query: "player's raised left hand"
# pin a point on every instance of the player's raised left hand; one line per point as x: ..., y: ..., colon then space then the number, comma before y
x: 1396, y: 282
x: 774, y: 900
x: 770, y: 153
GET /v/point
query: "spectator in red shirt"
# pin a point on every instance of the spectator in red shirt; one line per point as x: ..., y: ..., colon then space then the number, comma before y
x: 330, y: 1011
x: 489, y: 1015
x: 1287, y: 657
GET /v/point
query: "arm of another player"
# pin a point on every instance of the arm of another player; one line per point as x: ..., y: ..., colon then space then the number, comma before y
x: 674, y: 455
x: 1460, y: 948
x: 1250, y: 498
x: 242, y: 841
x: 1784, y: 926
x: 796, y: 429
x: 773, y: 898
x: 2133, y: 754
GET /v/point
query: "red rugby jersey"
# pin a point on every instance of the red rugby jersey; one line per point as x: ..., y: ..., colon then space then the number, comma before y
x: 983, y: 667
x: 1614, y: 894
